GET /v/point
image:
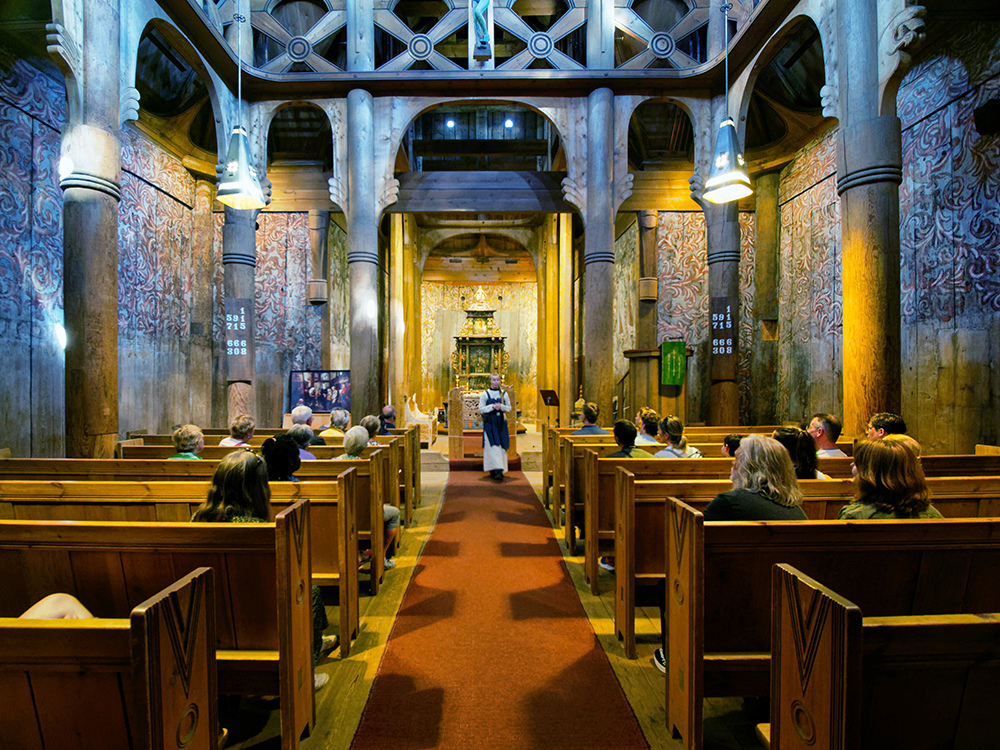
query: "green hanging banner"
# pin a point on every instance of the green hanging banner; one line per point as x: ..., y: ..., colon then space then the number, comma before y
x: 673, y: 362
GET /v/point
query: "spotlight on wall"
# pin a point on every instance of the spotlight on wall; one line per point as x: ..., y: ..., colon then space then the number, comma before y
x: 727, y: 179
x: 508, y: 123
x: 450, y: 123
x: 59, y: 333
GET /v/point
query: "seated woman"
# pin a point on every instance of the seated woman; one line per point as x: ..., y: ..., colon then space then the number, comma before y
x: 672, y: 433
x: 355, y: 441
x: 240, y: 493
x: 188, y: 442
x: 888, y: 483
x: 801, y: 446
x: 281, y: 453
x: 240, y: 431
x: 764, y: 485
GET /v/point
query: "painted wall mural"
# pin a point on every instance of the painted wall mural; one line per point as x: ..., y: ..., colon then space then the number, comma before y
x: 810, y: 301
x: 339, y: 304
x: 950, y: 244
x: 443, y: 313
x: 682, y: 304
x: 626, y: 281
x: 31, y: 381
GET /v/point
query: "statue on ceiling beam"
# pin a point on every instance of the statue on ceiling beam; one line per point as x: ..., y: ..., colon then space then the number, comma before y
x: 480, y: 9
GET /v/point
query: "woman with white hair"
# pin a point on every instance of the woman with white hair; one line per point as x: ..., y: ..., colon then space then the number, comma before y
x: 764, y: 485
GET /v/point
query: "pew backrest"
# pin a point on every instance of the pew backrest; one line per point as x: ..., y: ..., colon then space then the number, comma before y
x: 844, y: 681
x: 719, y: 574
x: 263, y: 606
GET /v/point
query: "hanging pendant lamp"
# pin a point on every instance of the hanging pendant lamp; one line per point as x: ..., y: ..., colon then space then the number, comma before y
x: 239, y: 186
x: 727, y: 179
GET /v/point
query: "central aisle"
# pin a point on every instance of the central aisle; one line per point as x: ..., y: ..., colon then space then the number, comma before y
x: 491, y: 647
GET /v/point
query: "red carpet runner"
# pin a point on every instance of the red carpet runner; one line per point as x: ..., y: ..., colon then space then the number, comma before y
x: 491, y: 648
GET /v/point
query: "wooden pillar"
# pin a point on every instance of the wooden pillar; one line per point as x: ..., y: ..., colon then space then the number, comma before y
x: 363, y: 256
x: 412, y: 302
x: 723, y: 232
x: 599, y: 253
x: 869, y: 172
x: 397, y: 315
x: 601, y: 34
x: 239, y: 262
x: 767, y: 227
x: 90, y: 177
x: 566, y: 322
x: 645, y: 322
x: 360, y: 36
x: 319, y: 233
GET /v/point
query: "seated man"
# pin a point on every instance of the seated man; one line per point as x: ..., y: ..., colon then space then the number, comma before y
x: 825, y: 429
x: 339, y: 419
x: 302, y: 414
x: 625, y: 433
x: 591, y: 412
x: 885, y: 423
x: 647, y: 422
x: 240, y: 431
x: 387, y: 420
x: 188, y: 442
x: 355, y: 440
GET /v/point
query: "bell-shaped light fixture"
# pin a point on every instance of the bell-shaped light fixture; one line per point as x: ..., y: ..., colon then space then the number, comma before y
x: 239, y: 186
x: 728, y: 179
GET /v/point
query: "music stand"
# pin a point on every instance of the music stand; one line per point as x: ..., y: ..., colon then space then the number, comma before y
x: 549, y: 398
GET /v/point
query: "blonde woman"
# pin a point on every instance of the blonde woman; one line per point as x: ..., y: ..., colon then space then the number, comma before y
x: 764, y: 485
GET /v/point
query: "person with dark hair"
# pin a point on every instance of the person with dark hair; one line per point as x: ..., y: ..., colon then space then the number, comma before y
x: 647, y: 423
x: 672, y: 431
x: 590, y: 413
x: 731, y: 444
x: 802, y: 450
x: 625, y: 433
x: 387, y: 420
x: 240, y: 493
x: 281, y: 453
x: 494, y: 404
x: 240, y: 431
x: 888, y: 483
x: 885, y: 423
x: 825, y: 429
x: 188, y: 442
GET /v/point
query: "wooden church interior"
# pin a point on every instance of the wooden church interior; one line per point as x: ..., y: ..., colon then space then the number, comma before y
x: 560, y: 177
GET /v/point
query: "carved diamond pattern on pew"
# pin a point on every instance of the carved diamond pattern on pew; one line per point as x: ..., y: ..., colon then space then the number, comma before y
x: 182, y: 626
x: 807, y: 625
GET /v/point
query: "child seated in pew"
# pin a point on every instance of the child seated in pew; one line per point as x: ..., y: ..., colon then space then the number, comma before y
x: 355, y: 441
x: 889, y: 481
x: 57, y: 607
x: 240, y: 493
x: 281, y: 453
x: 731, y: 444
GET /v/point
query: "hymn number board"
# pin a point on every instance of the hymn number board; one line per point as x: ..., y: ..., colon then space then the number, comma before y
x: 239, y: 338
x: 724, y: 338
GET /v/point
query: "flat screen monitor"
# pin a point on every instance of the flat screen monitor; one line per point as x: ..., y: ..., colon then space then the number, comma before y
x: 320, y: 390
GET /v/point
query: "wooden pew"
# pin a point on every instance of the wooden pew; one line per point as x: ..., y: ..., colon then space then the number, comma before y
x: 333, y: 519
x: 212, y: 452
x: 843, y: 681
x: 369, y: 479
x: 570, y: 481
x: 718, y: 589
x: 148, y: 681
x: 412, y: 434
x: 401, y: 463
x: 639, y: 522
x: 263, y: 607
